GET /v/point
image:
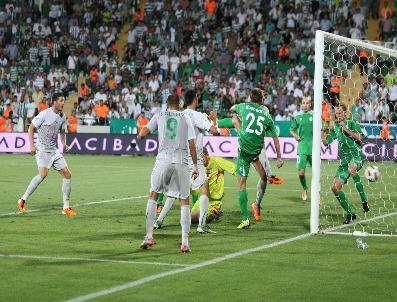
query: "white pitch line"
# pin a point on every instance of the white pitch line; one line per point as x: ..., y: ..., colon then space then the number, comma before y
x: 76, y: 205
x: 185, y: 269
x: 359, y: 222
x: 56, y: 258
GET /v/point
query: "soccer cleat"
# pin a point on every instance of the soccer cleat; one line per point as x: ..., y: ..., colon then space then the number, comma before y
x: 257, y: 211
x: 69, y: 212
x: 185, y: 248
x: 159, y: 207
x: 365, y: 206
x: 21, y: 205
x: 147, y: 242
x: 157, y: 225
x: 205, y: 229
x: 304, y: 195
x: 349, y: 218
x: 275, y: 180
x: 245, y: 224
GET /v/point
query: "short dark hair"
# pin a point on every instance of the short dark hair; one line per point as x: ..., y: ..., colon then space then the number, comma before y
x: 173, y: 100
x: 190, y: 95
x: 55, y: 97
x: 257, y: 96
x: 343, y: 106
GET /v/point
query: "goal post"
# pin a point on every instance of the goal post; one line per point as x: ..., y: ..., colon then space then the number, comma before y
x: 340, y: 57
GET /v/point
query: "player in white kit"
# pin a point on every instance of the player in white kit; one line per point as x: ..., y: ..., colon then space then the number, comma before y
x: 171, y: 173
x: 201, y: 125
x: 49, y: 123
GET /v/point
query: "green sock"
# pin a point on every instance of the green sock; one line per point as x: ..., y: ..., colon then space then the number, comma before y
x: 360, y: 187
x: 303, y: 181
x: 243, y: 203
x: 160, y: 199
x: 195, y: 196
x: 225, y: 123
x: 341, y: 197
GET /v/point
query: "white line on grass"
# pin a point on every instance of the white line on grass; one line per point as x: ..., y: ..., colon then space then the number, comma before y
x: 185, y: 269
x: 77, y: 205
x: 56, y: 258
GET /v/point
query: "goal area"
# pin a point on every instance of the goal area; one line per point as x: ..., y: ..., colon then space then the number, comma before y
x: 361, y: 75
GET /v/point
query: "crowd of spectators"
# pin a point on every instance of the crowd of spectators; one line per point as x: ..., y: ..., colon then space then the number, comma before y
x: 227, y: 46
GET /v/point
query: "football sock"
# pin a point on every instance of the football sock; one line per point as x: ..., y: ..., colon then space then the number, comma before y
x: 341, y: 197
x: 302, y: 179
x: 66, y: 188
x: 204, y: 203
x: 160, y: 199
x: 243, y: 203
x: 261, y: 189
x: 360, y: 187
x: 169, y: 202
x: 225, y: 123
x: 150, y: 216
x: 185, y: 224
x: 34, y: 183
x: 266, y: 164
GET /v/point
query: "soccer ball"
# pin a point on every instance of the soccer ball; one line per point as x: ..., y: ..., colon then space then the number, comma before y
x: 372, y: 173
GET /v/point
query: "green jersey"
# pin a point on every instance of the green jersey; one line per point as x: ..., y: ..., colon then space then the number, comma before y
x: 348, y: 148
x: 303, y: 126
x: 255, y: 124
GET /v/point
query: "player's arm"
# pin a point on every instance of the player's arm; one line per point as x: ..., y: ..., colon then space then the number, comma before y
x: 62, y: 133
x: 355, y: 133
x: 293, y: 129
x: 31, y: 129
x: 151, y: 127
x: 213, y: 117
x: 192, y: 146
x: 271, y: 131
x: 327, y: 136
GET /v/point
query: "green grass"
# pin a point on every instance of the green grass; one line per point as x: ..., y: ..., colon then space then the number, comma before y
x: 320, y: 268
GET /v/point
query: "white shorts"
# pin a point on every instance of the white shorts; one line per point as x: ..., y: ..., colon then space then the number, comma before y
x: 50, y: 159
x: 201, y: 178
x: 171, y: 179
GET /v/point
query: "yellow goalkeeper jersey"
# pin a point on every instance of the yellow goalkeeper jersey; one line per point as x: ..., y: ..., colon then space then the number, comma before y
x: 216, y: 179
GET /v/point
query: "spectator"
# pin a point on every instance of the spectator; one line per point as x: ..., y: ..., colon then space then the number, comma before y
x: 101, y: 112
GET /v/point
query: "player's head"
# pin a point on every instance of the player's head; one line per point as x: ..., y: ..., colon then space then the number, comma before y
x: 257, y: 96
x: 340, y: 112
x: 191, y: 98
x: 57, y: 102
x: 206, y: 157
x: 173, y: 102
x: 306, y: 104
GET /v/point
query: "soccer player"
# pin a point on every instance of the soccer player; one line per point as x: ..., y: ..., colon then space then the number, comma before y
x: 302, y: 131
x: 349, y: 135
x: 215, y: 170
x: 171, y: 173
x: 49, y: 123
x: 201, y: 124
x: 255, y: 124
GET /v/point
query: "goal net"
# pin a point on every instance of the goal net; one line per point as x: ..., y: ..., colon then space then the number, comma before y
x: 362, y: 76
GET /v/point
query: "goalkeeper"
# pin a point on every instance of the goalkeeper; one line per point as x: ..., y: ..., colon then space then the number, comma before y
x: 349, y: 136
x: 215, y: 168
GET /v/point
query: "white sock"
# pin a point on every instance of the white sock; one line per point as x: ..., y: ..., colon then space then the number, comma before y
x: 34, y: 183
x: 150, y: 217
x: 66, y: 188
x: 261, y: 187
x: 185, y: 224
x: 167, y: 207
x: 204, y: 203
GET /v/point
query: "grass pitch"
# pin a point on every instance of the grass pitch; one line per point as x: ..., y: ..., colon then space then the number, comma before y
x: 45, y: 256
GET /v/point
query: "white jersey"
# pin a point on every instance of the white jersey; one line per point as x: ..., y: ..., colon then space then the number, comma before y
x: 174, y: 131
x: 48, y: 124
x: 200, y: 124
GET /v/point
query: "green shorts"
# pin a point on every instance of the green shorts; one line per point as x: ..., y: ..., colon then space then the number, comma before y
x: 244, y: 161
x: 343, y: 170
x: 303, y: 160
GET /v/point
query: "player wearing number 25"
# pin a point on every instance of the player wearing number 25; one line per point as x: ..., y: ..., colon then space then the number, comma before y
x: 255, y: 124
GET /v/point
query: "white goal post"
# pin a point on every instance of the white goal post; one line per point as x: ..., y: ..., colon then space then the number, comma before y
x: 325, y: 43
